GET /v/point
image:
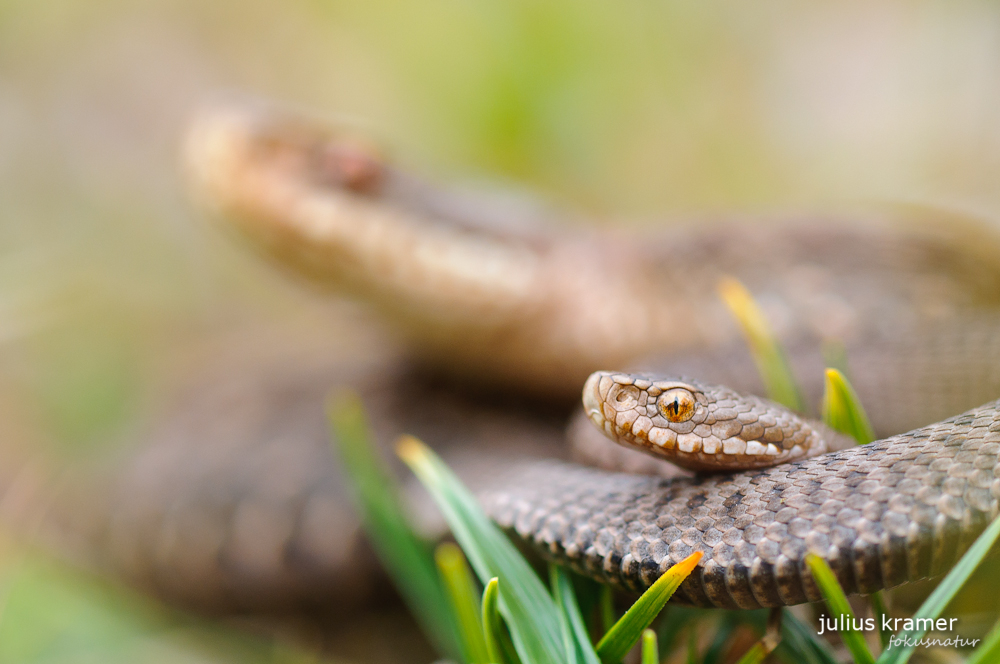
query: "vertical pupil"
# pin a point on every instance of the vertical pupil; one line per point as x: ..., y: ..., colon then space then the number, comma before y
x: 675, y: 406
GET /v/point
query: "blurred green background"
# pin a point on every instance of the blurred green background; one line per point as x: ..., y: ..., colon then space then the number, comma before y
x: 636, y: 109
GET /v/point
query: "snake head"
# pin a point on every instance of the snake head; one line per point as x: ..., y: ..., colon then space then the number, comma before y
x: 698, y: 426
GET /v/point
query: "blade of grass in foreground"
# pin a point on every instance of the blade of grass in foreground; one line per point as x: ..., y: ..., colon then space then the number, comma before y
x: 575, y: 634
x: 767, y: 352
x: 607, y: 606
x: 626, y: 632
x: 462, y: 593
x: 498, y: 645
x: 529, y: 611
x: 989, y: 651
x: 946, y: 590
x: 836, y: 600
x: 879, y: 609
x: 650, y: 650
x: 842, y: 410
x: 768, y: 642
x: 406, y: 556
x: 800, y: 644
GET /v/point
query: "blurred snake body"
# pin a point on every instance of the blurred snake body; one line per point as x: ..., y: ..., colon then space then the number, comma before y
x: 539, y: 311
x: 532, y: 310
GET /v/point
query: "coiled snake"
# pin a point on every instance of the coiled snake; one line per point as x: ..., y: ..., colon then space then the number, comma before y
x: 530, y: 310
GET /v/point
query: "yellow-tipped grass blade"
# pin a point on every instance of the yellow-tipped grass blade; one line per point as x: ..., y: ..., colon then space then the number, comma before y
x: 626, y: 632
x: 767, y: 352
x: 842, y: 410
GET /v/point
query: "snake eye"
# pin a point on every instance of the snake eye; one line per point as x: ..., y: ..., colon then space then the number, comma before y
x: 677, y: 405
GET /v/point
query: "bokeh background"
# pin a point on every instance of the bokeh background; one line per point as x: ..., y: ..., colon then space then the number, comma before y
x: 637, y: 110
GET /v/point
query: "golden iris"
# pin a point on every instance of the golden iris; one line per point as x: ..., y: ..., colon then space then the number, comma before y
x: 677, y: 405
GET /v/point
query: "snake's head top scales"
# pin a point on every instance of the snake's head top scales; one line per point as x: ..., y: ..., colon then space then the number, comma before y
x: 698, y: 426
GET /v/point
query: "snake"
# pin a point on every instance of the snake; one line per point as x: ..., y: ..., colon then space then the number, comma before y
x: 501, y: 309
x: 896, y: 510
x: 537, y: 310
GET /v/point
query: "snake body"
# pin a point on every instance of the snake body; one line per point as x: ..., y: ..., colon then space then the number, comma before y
x: 896, y: 510
x: 916, y: 309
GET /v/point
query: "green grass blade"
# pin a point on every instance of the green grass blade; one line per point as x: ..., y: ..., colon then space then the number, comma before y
x: 836, y: 601
x: 674, y: 620
x: 692, y: 646
x: 755, y: 655
x: 650, y: 650
x: 842, y: 410
x: 406, y: 556
x: 493, y: 630
x: 800, y: 644
x: 771, y: 639
x: 462, y: 592
x: 989, y: 651
x: 574, y: 630
x: 878, y: 608
x: 767, y: 352
x: 607, y: 603
x: 529, y: 611
x: 626, y: 632
x: 945, y: 591
x: 725, y: 626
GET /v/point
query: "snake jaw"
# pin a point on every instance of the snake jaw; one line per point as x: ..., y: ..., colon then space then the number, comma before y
x: 592, y: 398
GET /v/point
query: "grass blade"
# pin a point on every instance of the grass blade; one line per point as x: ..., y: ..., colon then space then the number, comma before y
x: 842, y: 410
x: 946, y: 590
x: 497, y: 645
x: 462, y: 592
x: 725, y: 626
x: 675, y: 619
x: 626, y: 632
x: 836, y: 601
x: 405, y: 555
x: 878, y: 608
x: 650, y: 650
x: 767, y: 352
x: 575, y: 634
x: 692, y: 645
x: 607, y: 604
x: 800, y: 644
x: 989, y: 651
x: 768, y: 642
x: 529, y: 611
x: 755, y: 655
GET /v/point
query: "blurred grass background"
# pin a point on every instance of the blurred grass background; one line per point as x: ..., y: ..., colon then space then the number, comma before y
x: 637, y: 109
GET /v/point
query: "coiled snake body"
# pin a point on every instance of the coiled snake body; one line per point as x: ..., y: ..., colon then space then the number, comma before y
x: 914, y: 309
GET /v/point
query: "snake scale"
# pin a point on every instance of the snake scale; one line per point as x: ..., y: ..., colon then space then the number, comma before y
x: 529, y: 310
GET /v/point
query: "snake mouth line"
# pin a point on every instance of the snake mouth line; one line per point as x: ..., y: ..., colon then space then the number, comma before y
x: 592, y: 399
